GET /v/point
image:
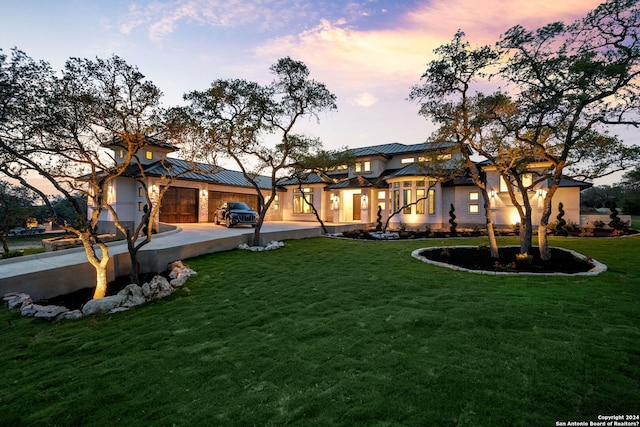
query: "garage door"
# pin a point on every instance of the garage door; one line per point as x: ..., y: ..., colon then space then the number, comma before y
x: 216, y: 198
x: 179, y: 205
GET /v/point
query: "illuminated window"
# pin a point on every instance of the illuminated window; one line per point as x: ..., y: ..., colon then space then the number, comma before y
x: 300, y: 205
x: 363, y: 166
x: 382, y: 195
x: 474, y: 195
x: 420, y: 183
x: 407, y: 160
x: 432, y: 201
x: 406, y: 184
x: 140, y: 207
x: 420, y: 195
x: 503, y: 185
x: 121, y: 154
x: 527, y: 180
x: 396, y: 200
x: 444, y: 157
x: 407, y: 200
x: 149, y: 155
x: 474, y: 208
x: 140, y: 191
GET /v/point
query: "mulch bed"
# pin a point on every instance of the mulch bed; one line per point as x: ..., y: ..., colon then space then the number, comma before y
x: 479, y: 258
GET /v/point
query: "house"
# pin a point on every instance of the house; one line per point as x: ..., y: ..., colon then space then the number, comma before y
x: 383, y: 179
x: 390, y: 176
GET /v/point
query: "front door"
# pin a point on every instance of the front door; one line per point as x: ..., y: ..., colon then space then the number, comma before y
x: 356, y: 207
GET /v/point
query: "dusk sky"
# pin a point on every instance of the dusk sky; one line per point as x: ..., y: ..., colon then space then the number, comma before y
x: 369, y: 53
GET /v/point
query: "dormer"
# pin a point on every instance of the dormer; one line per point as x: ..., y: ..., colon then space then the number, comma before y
x: 150, y: 151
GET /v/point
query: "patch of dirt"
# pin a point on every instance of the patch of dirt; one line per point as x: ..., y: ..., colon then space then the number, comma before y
x: 75, y: 300
x: 479, y: 258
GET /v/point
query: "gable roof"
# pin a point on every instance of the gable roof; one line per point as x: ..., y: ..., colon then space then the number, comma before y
x: 357, y: 182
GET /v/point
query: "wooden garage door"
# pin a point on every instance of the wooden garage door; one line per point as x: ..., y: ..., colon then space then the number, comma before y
x: 179, y: 205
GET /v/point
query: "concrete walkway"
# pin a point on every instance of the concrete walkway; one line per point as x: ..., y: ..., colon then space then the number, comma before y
x: 55, y: 273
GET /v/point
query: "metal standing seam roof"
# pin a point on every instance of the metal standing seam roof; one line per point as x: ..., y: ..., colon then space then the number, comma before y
x: 203, y: 173
x: 396, y: 148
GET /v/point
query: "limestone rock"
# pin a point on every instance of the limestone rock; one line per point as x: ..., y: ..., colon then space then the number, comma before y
x: 71, y: 315
x: 17, y: 299
x: 179, y: 273
x: 269, y: 247
x: 28, y: 309
x: 49, y: 312
x: 102, y: 305
x: 133, y: 295
x: 157, y: 288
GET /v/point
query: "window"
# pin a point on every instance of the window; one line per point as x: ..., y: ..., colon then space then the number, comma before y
x: 503, y: 185
x: 121, y: 154
x: 396, y: 200
x: 527, y: 180
x: 407, y: 160
x: 363, y: 166
x: 407, y: 184
x: 474, y: 195
x: 140, y: 192
x: 396, y: 185
x: 382, y: 195
x: 140, y: 207
x: 432, y: 157
x: 432, y: 201
x: 149, y: 155
x: 420, y: 195
x: 407, y: 200
x: 419, y: 183
x: 300, y: 205
x: 474, y: 208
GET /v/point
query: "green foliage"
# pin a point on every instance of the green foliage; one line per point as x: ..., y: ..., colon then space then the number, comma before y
x: 452, y: 219
x: 358, y: 343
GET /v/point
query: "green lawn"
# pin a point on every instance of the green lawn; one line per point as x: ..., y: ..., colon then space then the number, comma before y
x: 334, y: 332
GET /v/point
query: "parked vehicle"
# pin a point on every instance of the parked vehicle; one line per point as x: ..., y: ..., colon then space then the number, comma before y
x: 21, y: 231
x: 235, y: 213
x: 17, y: 231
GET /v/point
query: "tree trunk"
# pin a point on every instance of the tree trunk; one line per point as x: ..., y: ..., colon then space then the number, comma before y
x: 101, y: 283
x: 493, y: 243
x: 543, y: 242
x: 5, y: 243
x: 100, y: 264
x: 134, y: 274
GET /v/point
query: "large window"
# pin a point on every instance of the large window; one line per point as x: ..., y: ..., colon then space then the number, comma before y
x: 420, y: 195
x: 432, y: 201
x: 407, y: 200
x: 300, y: 205
x: 396, y: 200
